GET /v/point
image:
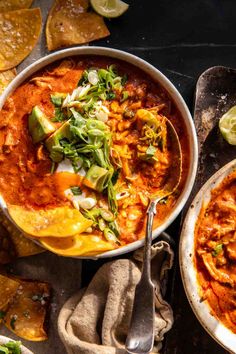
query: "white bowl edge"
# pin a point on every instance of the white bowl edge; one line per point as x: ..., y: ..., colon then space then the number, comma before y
x: 156, y: 76
x: 215, y: 329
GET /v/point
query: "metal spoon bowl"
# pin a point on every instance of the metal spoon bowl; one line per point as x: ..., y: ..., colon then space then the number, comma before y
x: 140, y: 338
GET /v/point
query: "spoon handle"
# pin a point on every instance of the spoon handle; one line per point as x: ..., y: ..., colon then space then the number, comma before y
x: 146, y: 271
x: 141, y: 333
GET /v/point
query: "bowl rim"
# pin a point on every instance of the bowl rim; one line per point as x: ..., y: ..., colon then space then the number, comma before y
x: 4, y: 340
x: 157, y: 76
x: 215, y: 328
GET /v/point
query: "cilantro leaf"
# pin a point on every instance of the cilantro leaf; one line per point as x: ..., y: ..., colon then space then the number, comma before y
x: 59, y: 115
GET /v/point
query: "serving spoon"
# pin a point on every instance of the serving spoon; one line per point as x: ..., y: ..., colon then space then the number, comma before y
x: 140, y: 338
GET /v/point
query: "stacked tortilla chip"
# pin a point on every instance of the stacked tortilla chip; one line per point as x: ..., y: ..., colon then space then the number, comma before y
x: 13, y: 244
x: 24, y: 307
x: 70, y: 23
x: 20, y: 28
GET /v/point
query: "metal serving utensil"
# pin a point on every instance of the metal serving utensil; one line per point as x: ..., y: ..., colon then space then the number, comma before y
x: 140, y: 338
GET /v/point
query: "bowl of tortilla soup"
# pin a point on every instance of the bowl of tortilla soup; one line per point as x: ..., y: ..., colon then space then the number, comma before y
x: 84, y: 144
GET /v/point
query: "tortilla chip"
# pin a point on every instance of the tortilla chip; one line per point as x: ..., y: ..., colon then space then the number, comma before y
x: 23, y: 247
x: 10, y: 5
x: 78, y: 245
x: 5, y: 78
x: 8, y: 288
x: 19, y: 32
x: 57, y: 222
x: 7, y: 249
x: 68, y: 24
x: 26, y: 314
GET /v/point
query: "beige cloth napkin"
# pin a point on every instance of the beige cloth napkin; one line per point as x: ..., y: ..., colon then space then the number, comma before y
x: 96, y: 319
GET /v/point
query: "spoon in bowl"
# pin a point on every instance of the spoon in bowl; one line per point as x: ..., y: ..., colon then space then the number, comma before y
x: 140, y: 338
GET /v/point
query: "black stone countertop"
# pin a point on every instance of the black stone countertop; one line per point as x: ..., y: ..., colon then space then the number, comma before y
x: 182, y: 39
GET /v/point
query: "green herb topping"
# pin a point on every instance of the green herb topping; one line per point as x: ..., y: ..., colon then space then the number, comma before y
x: 10, y: 348
x: 76, y: 190
x: 217, y: 250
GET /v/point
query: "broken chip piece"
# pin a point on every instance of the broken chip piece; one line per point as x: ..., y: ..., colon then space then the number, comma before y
x: 11, y: 5
x: 57, y: 222
x: 27, y: 312
x: 8, y: 288
x: 21, y: 246
x: 69, y: 23
x: 78, y: 245
x: 19, y: 32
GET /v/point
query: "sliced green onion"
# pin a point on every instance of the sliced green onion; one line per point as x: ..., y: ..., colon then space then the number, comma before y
x: 97, y: 178
x: 125, y: 95
x: 107, y: 215
x: 110, y: 236
x: 151, y: 150
x: 76, y: 190
x: 101, y: 224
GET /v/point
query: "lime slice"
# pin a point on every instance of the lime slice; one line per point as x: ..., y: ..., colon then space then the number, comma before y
x: 227, y: 125
x: 109, y: 8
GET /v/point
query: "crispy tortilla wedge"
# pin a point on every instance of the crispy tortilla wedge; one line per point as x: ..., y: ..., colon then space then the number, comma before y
x: 8, y: 288
x: 69, y: 23
x: 57, y: 222
x: 20, y: 245
x: 27, y: 312
x: 19, y: 32
x: 78, y: 245
x: 10, y: 5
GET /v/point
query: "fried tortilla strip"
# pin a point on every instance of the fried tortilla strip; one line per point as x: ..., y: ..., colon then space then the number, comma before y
x: 7, y: 249
x: 27, y: 313
x: 57, y: 222
x: 78, y: 245
x: 19, y: 32
x: 69, y: 23
x: 5, y: 78
x: 8, y: 288
x: 23, y: 247
x: 10, y: 5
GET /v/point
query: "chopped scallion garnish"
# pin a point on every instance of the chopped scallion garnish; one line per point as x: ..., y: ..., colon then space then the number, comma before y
x: 76, y: 190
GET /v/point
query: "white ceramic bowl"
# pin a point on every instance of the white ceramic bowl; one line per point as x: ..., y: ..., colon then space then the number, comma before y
x: 156, y: 76
x: 216, y: 329
x: 4, y: 340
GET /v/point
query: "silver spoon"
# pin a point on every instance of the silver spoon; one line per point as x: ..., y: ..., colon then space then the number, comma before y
x: 140, y: 338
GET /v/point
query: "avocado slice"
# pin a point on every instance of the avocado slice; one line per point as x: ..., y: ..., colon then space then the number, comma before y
x: 53, y: 142
x: 39, y: 125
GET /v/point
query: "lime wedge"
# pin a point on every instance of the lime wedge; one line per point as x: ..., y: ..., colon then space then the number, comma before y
x: 227, y: 125
x: 109, y: 8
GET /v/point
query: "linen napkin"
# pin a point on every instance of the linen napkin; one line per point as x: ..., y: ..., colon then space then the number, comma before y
x: 96, y: 319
